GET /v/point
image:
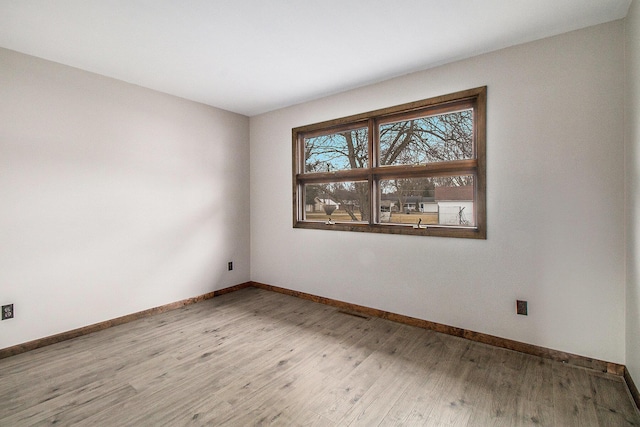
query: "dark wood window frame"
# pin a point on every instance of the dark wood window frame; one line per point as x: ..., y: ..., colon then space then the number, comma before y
x: 474, y: 99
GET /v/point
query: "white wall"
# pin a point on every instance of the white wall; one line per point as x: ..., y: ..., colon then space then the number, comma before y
x: 632, y: 137
x: 555, y: 149
x: 114, y: 198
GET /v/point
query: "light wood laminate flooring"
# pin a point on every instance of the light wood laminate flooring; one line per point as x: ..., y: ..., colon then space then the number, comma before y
x: 255, y: 357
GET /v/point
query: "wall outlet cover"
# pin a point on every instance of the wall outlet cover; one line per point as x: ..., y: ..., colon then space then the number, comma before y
x: 521, y: 307
x: 7, y: 311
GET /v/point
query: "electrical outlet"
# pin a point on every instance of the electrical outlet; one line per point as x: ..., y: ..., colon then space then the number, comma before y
x: 521, y: 307
x: 230, y: 265
x: 7, y: 311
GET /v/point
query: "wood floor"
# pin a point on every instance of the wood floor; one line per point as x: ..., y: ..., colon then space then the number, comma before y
x: 255, y: 357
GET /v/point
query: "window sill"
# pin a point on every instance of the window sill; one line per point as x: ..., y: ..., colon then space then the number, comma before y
x: 410, y: 230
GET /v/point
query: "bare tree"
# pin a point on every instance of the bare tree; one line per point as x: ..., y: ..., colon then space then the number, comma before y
x: 422, y: 140
x: 341, y: 151
x: 438, y: 138
x: 402, y: 189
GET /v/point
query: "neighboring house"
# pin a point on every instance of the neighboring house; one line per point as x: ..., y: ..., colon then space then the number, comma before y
x: 455, y: 205
x: 387, y: 205
x: 390, y: 203
x: 417, y: 203
x: 317, y: 206
x: 428, y: 206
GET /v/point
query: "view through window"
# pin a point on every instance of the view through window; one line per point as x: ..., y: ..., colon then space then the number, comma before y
x: 417, y: 168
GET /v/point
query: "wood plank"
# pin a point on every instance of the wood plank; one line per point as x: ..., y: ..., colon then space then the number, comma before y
x: 64, y: 336
x: 572, y: 398
x: 535, y: 394
x: 255, y: 356
x: 417, y: 401
x: 613, y: 405
x: 379, y: 399
x: 572, y: 359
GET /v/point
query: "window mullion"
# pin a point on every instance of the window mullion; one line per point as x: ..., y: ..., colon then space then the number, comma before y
x: 340, y: 176
x: 373, y: 163
x: 461, y: 167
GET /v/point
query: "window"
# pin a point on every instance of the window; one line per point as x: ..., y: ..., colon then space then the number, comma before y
x: 417, y: 168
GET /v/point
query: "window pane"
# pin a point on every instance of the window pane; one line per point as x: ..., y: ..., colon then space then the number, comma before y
x: 337, y: 151
x: 427, y: 139
x: 338, y: 201
x: 438, y: 201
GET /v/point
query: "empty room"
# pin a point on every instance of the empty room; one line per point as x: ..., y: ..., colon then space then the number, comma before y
x: 327, y: 213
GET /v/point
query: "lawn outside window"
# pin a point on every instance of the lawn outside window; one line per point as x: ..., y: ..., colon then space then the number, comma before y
x: 417, y: 168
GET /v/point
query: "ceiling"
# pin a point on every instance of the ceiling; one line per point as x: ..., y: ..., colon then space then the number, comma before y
x: 254, y: 56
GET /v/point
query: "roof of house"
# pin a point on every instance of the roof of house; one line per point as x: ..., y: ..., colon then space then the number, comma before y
x: 454, y: 193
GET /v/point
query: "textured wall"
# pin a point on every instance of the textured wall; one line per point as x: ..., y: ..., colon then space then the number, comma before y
x: 632, y: 137
x: 115, y: 198
x: 555, y: 196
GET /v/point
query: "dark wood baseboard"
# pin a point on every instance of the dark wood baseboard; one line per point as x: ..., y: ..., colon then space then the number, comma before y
x: 632, y: 387
x: 42, y: 342
x: 571, y: 359
x: 547, y: 353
